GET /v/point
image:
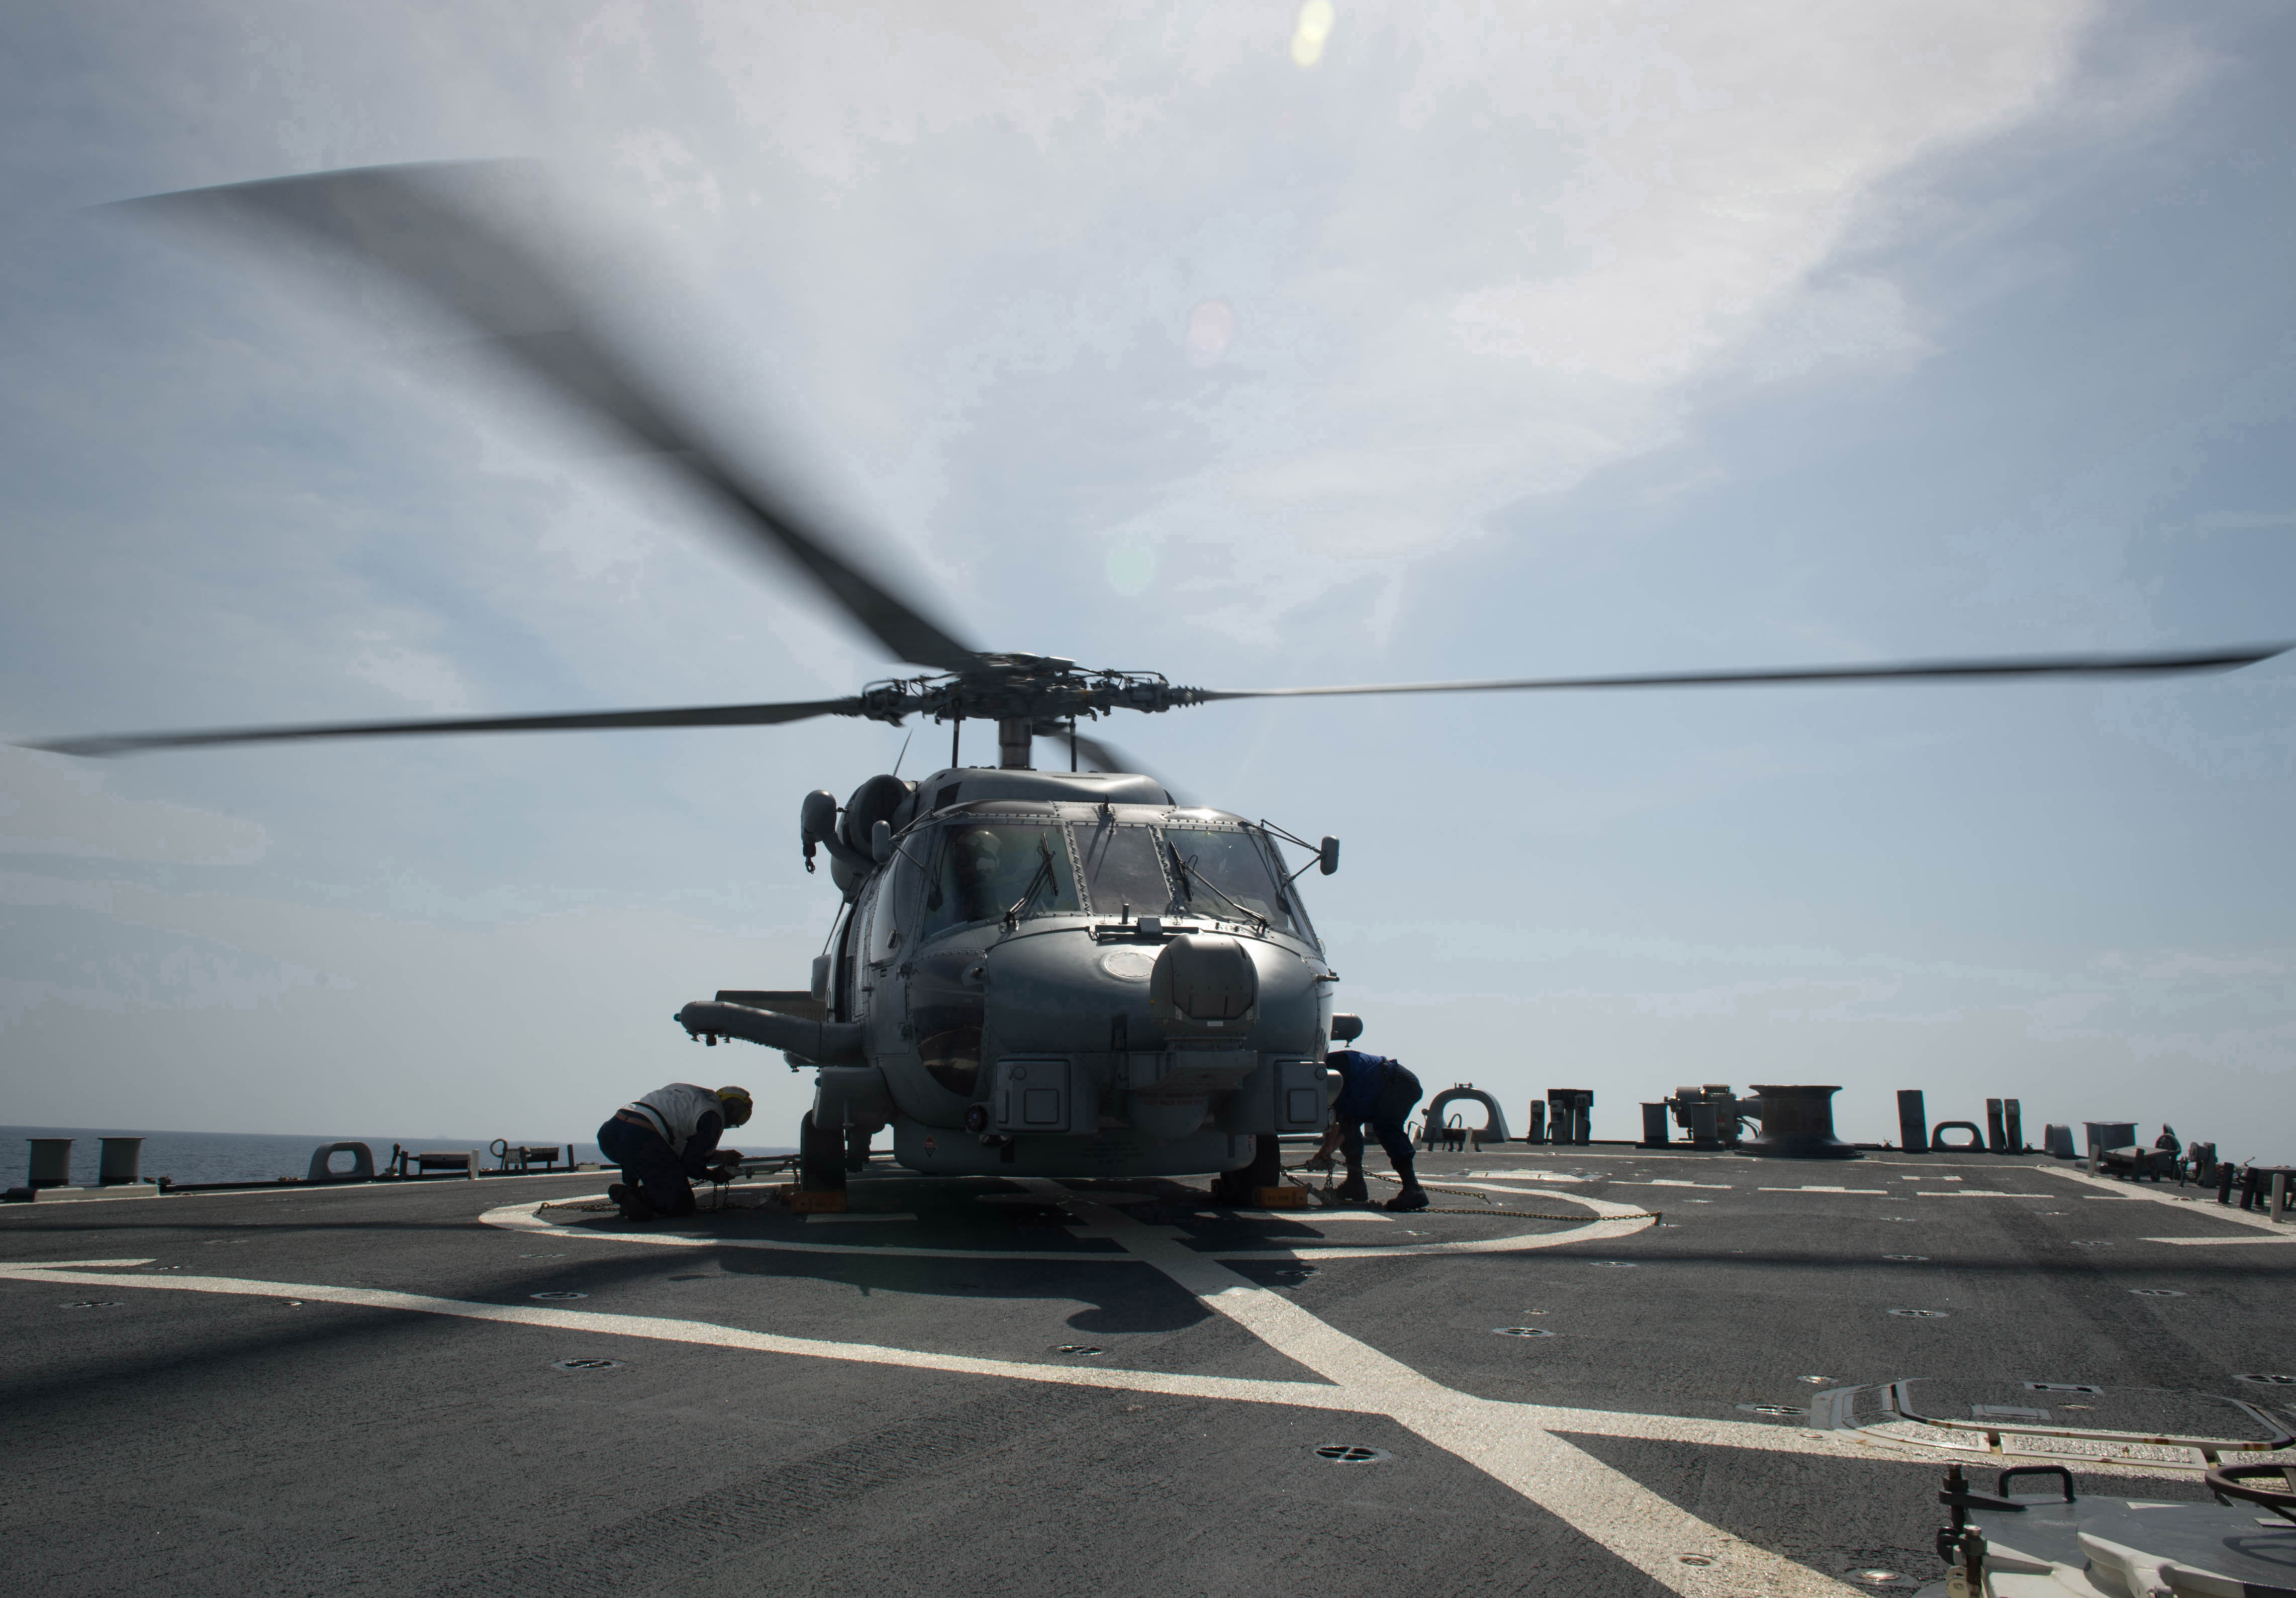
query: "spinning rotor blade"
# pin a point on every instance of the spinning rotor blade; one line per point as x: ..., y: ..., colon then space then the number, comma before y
x: 2012, y: 666
x: 1098, y: 755
x: 435, y: 228
x: 698, y: 716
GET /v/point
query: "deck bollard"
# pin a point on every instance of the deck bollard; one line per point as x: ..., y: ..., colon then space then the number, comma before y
x: 2279, y: 1197
x: 120, y: 1160
x: 51, y: 1162
x: 1913, y: 1119
x: 1996, y: 1135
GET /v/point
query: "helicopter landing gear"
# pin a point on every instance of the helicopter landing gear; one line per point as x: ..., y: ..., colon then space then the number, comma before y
x: 1241, y: 1187
x: 821, y: 1158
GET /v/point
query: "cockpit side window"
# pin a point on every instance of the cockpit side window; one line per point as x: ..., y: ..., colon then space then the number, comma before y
x: 893, y: 908
x: 982, y: 869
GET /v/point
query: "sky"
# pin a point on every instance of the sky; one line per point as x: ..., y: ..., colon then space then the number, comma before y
x: 1255, y: 344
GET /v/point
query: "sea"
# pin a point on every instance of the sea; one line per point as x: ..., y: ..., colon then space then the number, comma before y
x: 190, y: 1158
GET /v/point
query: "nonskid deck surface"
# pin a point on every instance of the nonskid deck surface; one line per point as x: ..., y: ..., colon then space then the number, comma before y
x: 977, y: 1386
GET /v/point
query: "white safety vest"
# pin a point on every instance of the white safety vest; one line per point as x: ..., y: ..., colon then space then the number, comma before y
x: 676, y: 1112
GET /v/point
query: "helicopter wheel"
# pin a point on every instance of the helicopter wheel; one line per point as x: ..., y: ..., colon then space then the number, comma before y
x: 820, y: 1158
x: 1242, y: 1185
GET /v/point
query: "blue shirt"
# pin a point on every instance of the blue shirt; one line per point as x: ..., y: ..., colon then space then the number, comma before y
x: 1366, y: 1074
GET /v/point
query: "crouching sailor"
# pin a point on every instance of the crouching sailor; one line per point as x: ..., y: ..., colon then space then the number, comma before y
x: 1380, y: 1090
x: 664, y: 1140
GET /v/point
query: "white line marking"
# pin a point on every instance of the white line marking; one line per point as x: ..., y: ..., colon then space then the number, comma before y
x: 1975, y: 1193
x: 1632, y: 1521
x: 1613, y: 1224
x: 2219, y: 1242
x: 831, y: 1220
x: 1671, y: 1181
x: 2131, y: 1192
x: 1871, y: 1192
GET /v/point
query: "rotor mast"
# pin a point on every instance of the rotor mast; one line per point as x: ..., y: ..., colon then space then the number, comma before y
x: 1016, y: 736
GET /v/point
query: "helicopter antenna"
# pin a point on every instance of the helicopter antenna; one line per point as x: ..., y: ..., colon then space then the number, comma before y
x: 905, y: 752
x: 956, y: 739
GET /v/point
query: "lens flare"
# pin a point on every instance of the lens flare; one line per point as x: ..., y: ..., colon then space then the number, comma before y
x: 1210, y: 325
x: 1315, y: 26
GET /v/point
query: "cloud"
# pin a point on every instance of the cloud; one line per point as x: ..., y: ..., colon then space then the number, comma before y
x: 52, y: 805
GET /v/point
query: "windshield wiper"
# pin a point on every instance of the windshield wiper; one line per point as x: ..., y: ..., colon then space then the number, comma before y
x: 1043, y: 877
x: 1184, y: 870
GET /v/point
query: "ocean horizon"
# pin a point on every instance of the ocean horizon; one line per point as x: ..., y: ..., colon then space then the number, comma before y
x: 191, y: 1158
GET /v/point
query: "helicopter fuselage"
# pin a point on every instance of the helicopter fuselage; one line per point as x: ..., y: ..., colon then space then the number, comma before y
x: 1061, y: 974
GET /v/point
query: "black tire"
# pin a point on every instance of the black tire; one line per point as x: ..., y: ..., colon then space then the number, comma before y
x: 1242, y: 1185
x: 820, y: 1158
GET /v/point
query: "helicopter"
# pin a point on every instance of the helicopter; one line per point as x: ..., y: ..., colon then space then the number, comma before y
x: 1030, y: 973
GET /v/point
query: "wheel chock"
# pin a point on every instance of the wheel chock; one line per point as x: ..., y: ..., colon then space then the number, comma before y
x: 1281, y: 1198
x: 805, y: 1204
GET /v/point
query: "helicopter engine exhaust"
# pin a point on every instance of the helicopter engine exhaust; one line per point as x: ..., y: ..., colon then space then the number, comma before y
x: 823, y: 1043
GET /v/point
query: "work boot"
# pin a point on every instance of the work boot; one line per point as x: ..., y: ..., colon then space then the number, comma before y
x: 1412, y: 1197
x: 1352, y: 1191
x: 631, y: 1201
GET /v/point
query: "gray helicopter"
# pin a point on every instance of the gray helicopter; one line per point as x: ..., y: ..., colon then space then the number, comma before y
x: 1032, y: 974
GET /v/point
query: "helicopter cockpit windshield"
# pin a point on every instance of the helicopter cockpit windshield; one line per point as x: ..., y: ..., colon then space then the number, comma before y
x: 983, y: 869
x: 1223, y: 872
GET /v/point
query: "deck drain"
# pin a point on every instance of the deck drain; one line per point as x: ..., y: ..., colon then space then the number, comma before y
x: 1348, y: 1454
x: 1692, y: 1559
x: 1075, y: 1348
x: 1819, y: 1380
x: 1624, y: 1264
x: 92, y: 1304
x: 1904, y: 1257
x: 558, y: 1293
x: 2269, y: 1381
x: 2156, y: 1292
x: 1920, y: 1314
x: 1774, y: 1409
x: 2064, y: 1387
x: 1296, y: 1272
x: 1876, y: 1575
x: 1523, y: 1331
x: 2091, y: 1244
x: 587, y: 1364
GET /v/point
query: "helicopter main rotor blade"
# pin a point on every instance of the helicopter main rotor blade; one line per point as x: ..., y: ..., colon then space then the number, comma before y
x: 2012, y: 666
x: 431, y: 228
x: 693, y: 716
x: 1100, y: 755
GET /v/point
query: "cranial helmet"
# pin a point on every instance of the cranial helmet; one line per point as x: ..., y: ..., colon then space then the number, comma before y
x: 738, y: 1105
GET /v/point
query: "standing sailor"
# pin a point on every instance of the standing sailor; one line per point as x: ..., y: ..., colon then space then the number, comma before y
x: 1380, y: 1090
x: 664, y: 1140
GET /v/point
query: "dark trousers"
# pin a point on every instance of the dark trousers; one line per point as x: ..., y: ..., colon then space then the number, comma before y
x: 647, y: 1165
x: 1388, y: 1114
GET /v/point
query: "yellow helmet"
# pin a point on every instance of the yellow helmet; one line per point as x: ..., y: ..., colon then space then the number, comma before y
x: 737, y: 1103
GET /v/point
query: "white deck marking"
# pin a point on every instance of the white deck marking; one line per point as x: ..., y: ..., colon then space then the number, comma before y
x: 1877, y: 1193
x: 1612, y: 1224
x: 2219, y: 1242
x: 1975, y: 1193
x: 1674, y: 1182
x: 1646, y: 1530
x: 2131, y: 1192
x: 886, y: 1214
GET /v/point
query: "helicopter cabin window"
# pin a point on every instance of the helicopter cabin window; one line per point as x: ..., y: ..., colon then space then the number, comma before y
x: 1223, y: 873
x: 983, y: 869
x: 1123, y: 869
